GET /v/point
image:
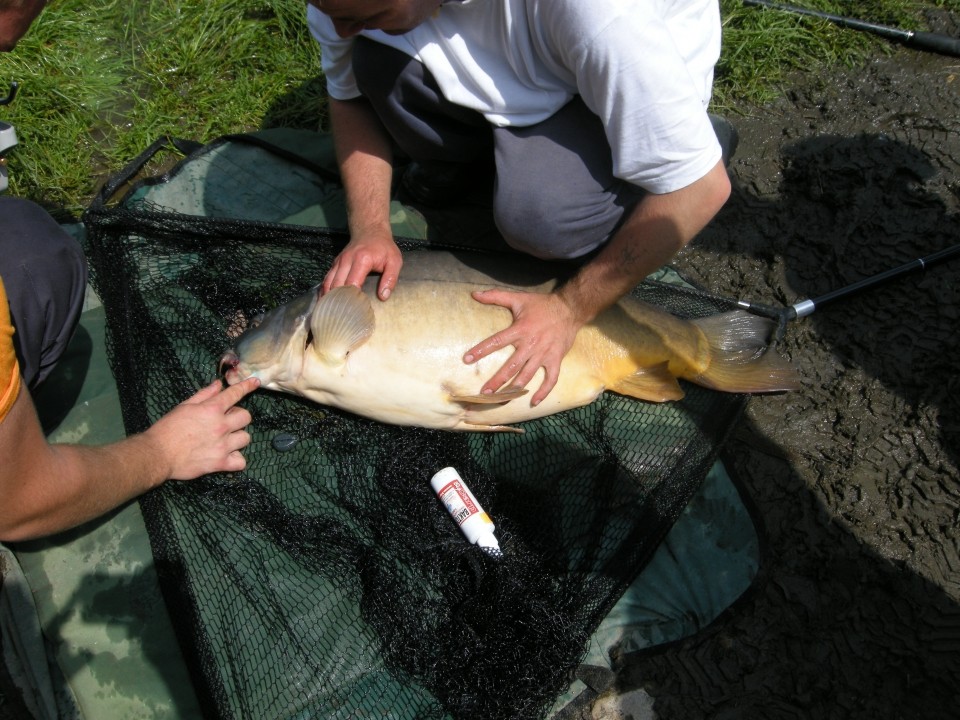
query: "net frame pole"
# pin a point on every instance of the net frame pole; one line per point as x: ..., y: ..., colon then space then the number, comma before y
x: 933, y: 42
x: 803, y: 308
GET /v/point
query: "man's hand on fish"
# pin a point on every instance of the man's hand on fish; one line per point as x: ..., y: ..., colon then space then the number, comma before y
x: 544, y: 329
x: 365, y: 254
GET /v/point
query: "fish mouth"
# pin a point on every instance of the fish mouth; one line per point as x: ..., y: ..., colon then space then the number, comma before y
x: 227, y: 368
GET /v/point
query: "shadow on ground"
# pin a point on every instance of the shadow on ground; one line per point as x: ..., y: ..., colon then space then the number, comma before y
x: 856, y: 613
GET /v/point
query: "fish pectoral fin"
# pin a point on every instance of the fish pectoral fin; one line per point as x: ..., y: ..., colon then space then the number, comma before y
x: 341, y: 321
x: 494, y: 398
x: 654, y: 384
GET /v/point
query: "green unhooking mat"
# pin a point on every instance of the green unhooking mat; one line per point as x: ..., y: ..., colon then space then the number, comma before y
x: 326, y: 580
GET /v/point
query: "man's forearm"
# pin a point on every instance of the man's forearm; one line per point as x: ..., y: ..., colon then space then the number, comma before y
x: 102, y: 478
x: 656, y: 229
x: 365, y: 158
x: 47, y: 488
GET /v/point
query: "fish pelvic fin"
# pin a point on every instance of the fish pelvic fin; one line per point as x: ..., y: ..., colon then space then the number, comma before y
x: 480, y: 427
x: 341, y: 321
x: 653, y: 384
x: 740, y: 359
x: 494, y: 398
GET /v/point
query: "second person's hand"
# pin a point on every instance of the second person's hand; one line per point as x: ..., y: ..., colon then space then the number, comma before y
x: 206, y: 432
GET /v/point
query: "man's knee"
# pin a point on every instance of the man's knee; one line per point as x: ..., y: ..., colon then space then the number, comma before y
x: 530, y: 228
x: 31, y: 229
x: 30, y: 236
x: 44, y: 274
x: 423, y: 124
x: 552, y: 227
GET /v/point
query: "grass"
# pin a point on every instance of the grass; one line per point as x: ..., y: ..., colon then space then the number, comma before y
x: 102, y: 79
x: 762, y: 47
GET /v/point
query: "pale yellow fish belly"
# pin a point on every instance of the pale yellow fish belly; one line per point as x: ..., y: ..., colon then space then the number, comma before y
x: 403, y: 382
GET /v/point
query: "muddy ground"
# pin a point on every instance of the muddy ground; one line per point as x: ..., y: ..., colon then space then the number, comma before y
x: 856, y: 612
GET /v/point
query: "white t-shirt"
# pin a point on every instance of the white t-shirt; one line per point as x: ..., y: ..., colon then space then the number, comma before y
x: 645, y: 67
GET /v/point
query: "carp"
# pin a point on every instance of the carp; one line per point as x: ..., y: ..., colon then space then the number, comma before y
x: 400, y: 361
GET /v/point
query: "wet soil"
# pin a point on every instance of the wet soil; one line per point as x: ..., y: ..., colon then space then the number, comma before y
x: 856, y: 610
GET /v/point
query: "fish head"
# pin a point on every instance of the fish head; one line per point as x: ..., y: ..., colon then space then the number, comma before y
x: 273, y: 348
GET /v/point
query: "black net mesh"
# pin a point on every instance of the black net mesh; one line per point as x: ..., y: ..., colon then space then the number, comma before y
x: 327, y: 580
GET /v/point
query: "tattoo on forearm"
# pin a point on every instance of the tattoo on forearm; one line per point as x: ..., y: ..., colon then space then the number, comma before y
x: 628, y: 255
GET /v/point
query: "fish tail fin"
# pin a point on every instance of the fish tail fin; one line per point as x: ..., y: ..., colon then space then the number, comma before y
x: 740, y: 359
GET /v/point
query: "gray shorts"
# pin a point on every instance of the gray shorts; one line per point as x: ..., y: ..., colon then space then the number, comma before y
x: 45, y: 277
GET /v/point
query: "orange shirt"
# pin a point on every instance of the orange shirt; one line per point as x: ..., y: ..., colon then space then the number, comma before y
x: 9, y: 369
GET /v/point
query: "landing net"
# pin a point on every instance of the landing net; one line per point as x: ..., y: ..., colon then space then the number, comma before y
x: 327, y: 581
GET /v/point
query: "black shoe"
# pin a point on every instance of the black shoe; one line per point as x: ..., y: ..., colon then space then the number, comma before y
x: 727, y: 135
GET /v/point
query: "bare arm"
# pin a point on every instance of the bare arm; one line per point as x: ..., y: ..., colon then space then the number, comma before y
x: 545, y: 326
x: 47, y: 488
x: 365, y: 159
